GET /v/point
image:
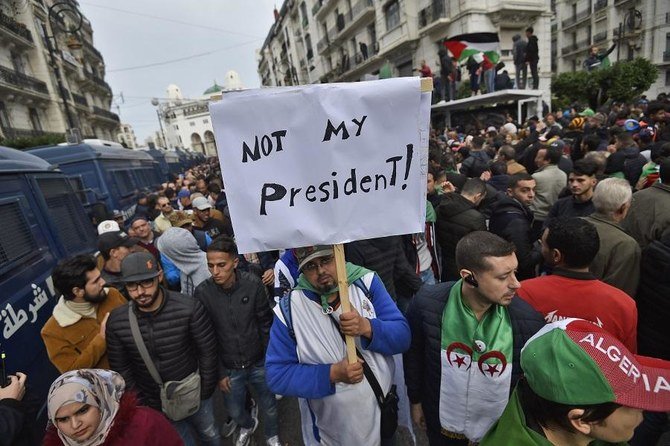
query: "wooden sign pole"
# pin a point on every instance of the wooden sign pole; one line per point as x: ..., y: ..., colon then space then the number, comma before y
x: 343, y: 288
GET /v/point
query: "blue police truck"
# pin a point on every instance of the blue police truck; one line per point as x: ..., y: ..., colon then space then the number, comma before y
x: 43, y: 222
x: 105, y: 173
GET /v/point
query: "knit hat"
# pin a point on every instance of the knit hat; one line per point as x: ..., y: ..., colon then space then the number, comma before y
x: 577, y: 123
x: 139, y: 266
x: 309, y: 253
x: 575, y: 362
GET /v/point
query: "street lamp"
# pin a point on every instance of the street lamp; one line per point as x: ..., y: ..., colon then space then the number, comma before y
x: 156, y: 104
x: 56, y: 16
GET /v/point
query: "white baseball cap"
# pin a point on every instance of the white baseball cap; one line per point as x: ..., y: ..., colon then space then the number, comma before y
x: 108, y: 226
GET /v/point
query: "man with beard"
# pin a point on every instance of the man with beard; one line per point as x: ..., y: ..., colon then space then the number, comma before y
x: 179, y: 338
x: 74, y: 335
x: 306, y: 356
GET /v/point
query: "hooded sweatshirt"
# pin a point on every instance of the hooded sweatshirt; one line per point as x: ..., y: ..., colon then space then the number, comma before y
x: 179, y: 245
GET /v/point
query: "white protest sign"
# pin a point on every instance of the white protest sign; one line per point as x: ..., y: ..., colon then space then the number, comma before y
x: 323, y: 164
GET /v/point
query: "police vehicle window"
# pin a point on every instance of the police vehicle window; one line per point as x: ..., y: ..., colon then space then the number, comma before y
x: 124, y: 182
x: 67, y: 214
x: 16, y: 239
x: 78, y: 187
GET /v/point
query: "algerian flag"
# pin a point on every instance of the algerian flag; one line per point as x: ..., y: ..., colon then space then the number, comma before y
x: 466, y: 45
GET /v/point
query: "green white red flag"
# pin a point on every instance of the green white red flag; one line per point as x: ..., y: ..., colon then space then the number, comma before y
x: 466, y: 45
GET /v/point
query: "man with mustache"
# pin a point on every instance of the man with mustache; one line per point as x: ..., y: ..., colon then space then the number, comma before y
x: 306, y: 356
x: 74, y: 335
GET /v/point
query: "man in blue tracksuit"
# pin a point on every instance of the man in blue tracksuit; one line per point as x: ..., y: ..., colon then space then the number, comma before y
x: 306, y: 356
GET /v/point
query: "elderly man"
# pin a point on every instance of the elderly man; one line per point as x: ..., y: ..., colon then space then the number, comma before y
x: 163, y: 222
x: 618, y: 259
x: 466, y: 340
x: 306, y: 356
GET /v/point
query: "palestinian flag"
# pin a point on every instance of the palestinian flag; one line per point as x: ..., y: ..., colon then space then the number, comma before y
x: 466, y: 45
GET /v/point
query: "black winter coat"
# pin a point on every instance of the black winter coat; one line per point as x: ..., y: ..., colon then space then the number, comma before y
x: 386, y: 257
x: 456, y: 218
x: 652, y: 296
x: 180, y: 339
x: 241, y: 317
x: 512, y: 221
x: 422, y: 362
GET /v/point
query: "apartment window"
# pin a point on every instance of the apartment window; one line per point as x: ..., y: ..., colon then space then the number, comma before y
x: 4, y: 117
x: 667, y: 77
x: 17, y: 62
x: 392, y: 14
x: 176, y: 127
x: 192, y: 124
x: 303, y: 13
x: 35, y: 119
x: 308, y: 46
x: 205, y: 121
x: 179, y: 138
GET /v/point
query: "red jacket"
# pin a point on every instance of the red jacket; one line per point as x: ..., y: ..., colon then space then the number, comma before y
x: 566, y: 294
x: 133, y: 425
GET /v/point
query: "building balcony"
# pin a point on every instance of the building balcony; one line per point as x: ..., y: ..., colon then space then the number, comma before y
x: 580, y: 17
x: 80, y: 100
x: 196, y: 109
x: 15, y: 32
x: 105, y: 114
x: 92, y: 50
x: 21, y: 83
x: 582, y: 45
x: 600, y: 37
x: 325, y: 7
x: 600, y: 5
x: 91, y: 82
x: 14, y: 133
x: 323, y: 44
x: 433, y: 17
x: 347, y: 22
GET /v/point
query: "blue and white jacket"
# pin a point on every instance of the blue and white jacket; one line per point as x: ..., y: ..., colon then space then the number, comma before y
x: 298, y: 364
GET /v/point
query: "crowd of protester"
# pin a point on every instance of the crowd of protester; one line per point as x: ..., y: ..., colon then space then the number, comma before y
x: 528, y: 225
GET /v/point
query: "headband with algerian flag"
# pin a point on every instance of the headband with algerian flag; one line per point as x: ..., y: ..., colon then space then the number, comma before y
x: 466, y: 45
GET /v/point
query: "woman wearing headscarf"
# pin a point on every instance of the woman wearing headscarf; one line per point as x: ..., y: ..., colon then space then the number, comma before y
x: 90, y: 407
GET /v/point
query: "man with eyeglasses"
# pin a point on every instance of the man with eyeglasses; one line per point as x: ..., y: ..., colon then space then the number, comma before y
x: 179, y: 337
x: 162, y: 223
x: 307, y: 356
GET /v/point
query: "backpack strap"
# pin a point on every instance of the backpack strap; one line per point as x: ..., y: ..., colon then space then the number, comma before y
x: 285, y: 308
x: 360, y: 284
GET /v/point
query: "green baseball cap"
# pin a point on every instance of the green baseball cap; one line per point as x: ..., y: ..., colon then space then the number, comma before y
x: 575, y: 362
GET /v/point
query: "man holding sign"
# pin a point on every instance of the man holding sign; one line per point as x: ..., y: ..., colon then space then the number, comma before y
x: 306, y: 356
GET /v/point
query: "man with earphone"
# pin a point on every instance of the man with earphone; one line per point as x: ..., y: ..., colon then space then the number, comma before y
x: 466, y: 341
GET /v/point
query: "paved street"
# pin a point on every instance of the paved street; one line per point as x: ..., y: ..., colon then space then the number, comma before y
x: 289, y: 425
